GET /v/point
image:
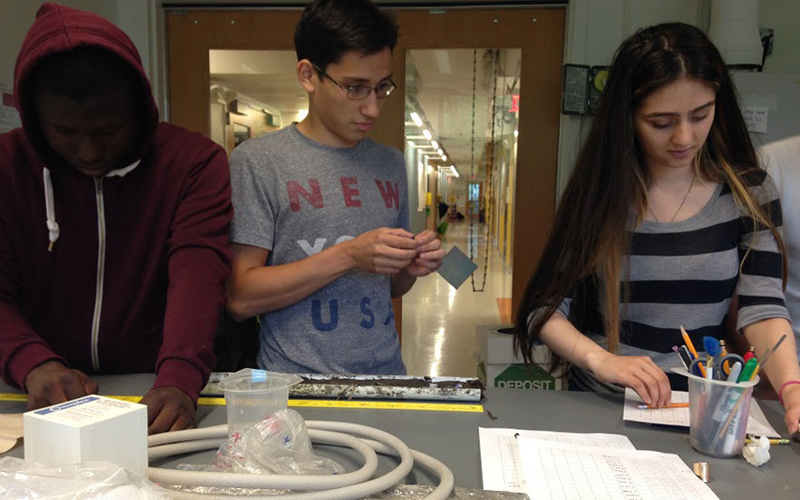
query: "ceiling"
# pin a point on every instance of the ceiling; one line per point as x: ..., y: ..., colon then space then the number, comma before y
x: 260, y: 77
x: 439, y: 86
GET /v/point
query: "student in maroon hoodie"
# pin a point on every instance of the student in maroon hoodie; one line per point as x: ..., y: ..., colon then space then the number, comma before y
x: 113, y: 227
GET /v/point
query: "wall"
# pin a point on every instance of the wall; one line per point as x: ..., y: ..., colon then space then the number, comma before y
x: 782, y: 16
x: 15, y: 18
x: 136, y: 17
x: 595, y: 28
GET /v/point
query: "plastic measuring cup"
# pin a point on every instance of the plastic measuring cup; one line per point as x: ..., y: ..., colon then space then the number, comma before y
x: 253, y: 395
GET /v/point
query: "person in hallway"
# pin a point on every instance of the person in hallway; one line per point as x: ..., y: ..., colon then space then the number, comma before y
x: 782, y: 160
x: 113, y: 226
x: 442, y: 206
x: 320, y: 233
x: 666, y: 217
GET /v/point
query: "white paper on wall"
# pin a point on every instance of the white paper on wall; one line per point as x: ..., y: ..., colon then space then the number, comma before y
x: 9, y: 118
x: 755, y: 117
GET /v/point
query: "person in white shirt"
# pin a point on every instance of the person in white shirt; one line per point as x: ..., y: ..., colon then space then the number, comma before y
x: 782, y: 160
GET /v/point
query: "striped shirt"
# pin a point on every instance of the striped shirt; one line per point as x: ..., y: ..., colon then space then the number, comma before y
x: 686, y: 273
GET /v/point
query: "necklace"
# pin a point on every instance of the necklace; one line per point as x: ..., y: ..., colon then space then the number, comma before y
x: 691, y: 184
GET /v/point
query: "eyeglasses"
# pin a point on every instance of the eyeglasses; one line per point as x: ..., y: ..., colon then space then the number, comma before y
x: 358, y: 92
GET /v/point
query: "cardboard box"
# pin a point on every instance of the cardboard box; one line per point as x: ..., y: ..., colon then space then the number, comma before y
x: 519, y: 376
x: 88, y: 428
x: 499, y: 366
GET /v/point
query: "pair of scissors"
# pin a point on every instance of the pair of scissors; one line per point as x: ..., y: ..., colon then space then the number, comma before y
x: 694, y: 368
x: 730, y: 358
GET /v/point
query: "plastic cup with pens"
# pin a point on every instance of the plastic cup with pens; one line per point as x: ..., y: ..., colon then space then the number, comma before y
x: 718, y: 414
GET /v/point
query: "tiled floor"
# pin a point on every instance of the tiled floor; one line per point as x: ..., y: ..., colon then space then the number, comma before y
x: 439, y: 322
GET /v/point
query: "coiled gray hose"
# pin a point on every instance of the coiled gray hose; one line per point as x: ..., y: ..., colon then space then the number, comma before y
x: 349, y: 486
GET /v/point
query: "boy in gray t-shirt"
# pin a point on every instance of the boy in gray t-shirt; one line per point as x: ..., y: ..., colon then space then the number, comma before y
x: 320, y: 234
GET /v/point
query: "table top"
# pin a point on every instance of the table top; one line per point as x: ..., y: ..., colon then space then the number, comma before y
x: 452, y: 437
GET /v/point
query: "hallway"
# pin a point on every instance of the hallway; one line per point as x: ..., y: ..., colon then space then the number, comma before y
x: 440, y: 323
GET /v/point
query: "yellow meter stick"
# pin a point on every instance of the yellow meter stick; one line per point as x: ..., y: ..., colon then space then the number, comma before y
x: 318, y: 403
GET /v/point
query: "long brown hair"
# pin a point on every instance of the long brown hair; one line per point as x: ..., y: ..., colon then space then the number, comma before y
x: 590, y: 238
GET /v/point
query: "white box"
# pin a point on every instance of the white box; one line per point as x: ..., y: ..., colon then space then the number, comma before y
x: 88, y: 428
x: 499, y: 365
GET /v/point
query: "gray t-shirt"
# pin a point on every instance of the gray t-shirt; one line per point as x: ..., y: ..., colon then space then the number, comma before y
x: 296, y: 197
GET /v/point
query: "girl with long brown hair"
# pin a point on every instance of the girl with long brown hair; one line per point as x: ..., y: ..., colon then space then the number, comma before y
x: 666, y: 218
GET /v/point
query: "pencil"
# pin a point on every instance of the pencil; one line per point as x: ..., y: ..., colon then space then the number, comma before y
x: 771, y: 441
x: 671, y: 405
x: 689, y: 345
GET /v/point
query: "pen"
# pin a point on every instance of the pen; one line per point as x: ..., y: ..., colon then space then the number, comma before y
x: 685, y: 357
x: 736, y: 370
x: 749, y: 354
x: 747, y: 370
x: 771, y: 441
x: 691, y: 348
x: 671, y: 405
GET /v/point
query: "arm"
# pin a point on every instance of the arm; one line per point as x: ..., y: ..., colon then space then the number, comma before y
x: 782, y: 365
x: 402, y: 283
x: 28, y: 361
x: 198, y: 261
x: 762, y: 315
x: 255, y: 288
x: 639, y: 373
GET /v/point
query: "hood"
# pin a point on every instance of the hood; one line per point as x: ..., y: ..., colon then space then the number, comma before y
x: 61, y: 29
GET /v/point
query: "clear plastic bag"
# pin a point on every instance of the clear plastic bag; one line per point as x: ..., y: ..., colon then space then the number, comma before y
x: 23, y: 479
x: 278, y: 444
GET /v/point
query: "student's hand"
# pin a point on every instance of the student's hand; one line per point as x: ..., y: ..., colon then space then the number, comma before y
x: 639, y: 373
x: 383, y: 251
x: 430, y: 254
x: 52, y: 382
x: 791, y: 401
x: 168, y: 409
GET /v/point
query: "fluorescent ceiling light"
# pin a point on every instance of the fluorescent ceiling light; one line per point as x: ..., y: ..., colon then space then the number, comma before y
x: 440, y: 151
x: 444, y: 157
x: 435, y: 145
x: 416, y: 119
x: 427, y: 134
x: 443, y: 61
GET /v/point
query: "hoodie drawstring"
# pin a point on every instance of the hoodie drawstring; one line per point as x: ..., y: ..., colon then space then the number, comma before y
x: 50, y: 206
